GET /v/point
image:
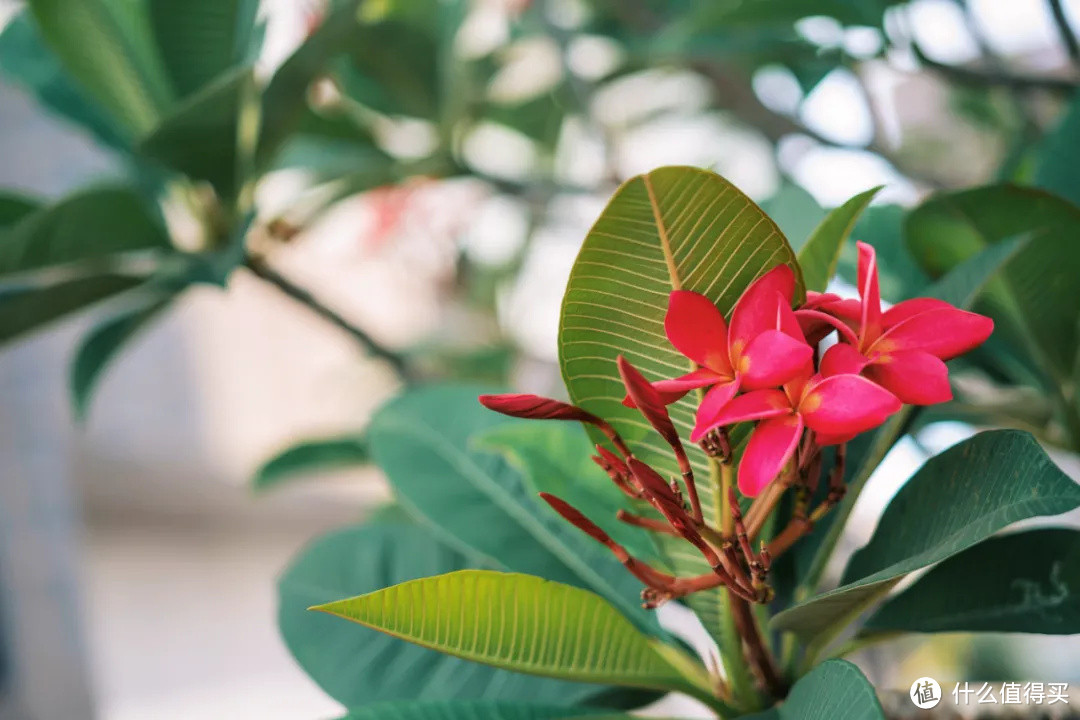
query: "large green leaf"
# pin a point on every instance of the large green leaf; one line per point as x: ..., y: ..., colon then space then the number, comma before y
x: 357, y: 666
x: 24, y: 308
x: 1013, y: 583
x: 1058, y: 166
x: 475, y: 711
x: 422, y: 440
x: 106, y: 45
x: 284, y: 101
x: 202, y: 137
x: 554, y: 457
x: 820, y: 255
x: 521, y: 623
x: 101, y: 345
x: 834, y: 689
x: 82, y: 228
x: 14, y: 207
x: 675, y: 227
x: 200, y: 40
x: 1036, y: 298
x: 956, y: 500
x: 26, y: 59
x: 312, y: 456
x: 402, y: 83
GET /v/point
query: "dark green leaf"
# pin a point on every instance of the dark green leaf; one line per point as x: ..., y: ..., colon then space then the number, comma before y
x: 882, y: 226
x: 821, y: 253
x: 956, y: 500
x: 202, y: 137
x: 107, y: 47
x: 1036, y: 299
x: 478, y: 502
x: 311, y: 456
x: 103, y: 342
x: 83, y: 228
x: 962, y: 284
x: 357, y: 666
x: 200, y: 40
x: 795, y: 211
x: 403, y: 83
x: 284, y: 101
x: 1058, y: 166
x: 1014, y: 583
x: 554, y: 457
x: 27, y: 307
x: 834, y: 689
x: 474, y: 711
x: 14, y: 208
x: 26, y: 59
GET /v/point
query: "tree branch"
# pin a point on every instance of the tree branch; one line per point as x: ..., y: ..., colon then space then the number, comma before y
x: 266, y: 273
x: 1068, y: 37
x: 981, y: 78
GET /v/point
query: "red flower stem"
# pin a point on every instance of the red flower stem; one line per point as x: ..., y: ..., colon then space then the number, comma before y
x: 646, y: 523
x: 765, y: 503
x: 801, y: 523
x: 752, y: 560
x: 611, y: 434
x: 641, y: 570
x: 691, y: 486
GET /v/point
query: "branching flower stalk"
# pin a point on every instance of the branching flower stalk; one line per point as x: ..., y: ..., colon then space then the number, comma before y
x: 761, y: 366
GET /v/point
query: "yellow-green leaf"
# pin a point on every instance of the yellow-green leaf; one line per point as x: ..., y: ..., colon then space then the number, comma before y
x: 520, y: 623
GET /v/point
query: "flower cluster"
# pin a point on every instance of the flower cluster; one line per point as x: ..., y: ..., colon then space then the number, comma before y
x: 882, y: 359
x: 762, y: 366
x: 732, y: 561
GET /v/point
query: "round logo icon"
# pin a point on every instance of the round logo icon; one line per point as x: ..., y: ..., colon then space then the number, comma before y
x: 925, y: 693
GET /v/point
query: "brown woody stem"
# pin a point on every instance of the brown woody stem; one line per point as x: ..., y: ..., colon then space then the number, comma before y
x: 758, y: 657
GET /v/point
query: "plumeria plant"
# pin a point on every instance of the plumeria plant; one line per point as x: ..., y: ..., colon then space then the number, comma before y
x: 735, y: 410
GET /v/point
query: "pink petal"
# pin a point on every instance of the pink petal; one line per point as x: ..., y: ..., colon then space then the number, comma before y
x: 754, y: 405
x: 817, y: 299
x: 674, y: 389
x: 909, y: 308
x: 916, y: 377
x: 697, y: 329
x: 786, y: 321
x: 755, y: 312
x: 714, y: 401
x: 943, y: 332
x: 846, y: 405
x: 771, y: 445
x: 816, y: 325
x: 842, y: 359
x: 773, y: 358
x: 870, y: 293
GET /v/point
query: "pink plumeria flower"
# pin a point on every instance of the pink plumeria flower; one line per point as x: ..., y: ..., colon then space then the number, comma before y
x: 904, y: 348
x: 837, y: 408
x: 753, y: 353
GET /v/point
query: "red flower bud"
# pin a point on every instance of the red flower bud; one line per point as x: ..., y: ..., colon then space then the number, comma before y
x: 534, y: 407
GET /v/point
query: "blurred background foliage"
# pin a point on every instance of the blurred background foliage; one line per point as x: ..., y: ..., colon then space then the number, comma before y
x: 462, y: 147
x: 536, y: 107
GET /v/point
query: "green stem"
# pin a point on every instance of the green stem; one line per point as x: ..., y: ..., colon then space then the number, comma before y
x: 736, y: 670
